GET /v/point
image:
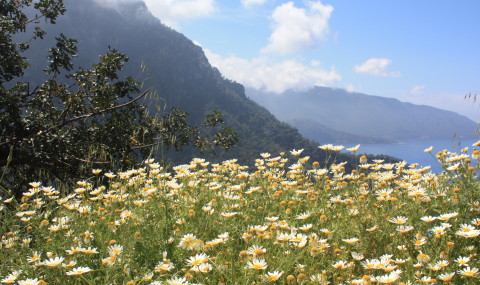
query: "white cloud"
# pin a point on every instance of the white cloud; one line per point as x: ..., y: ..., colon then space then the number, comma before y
x: 350, y: 88
x: 171, y: 12
x: 417, y: 90
x: 249, y: 3
x: 376, y: 66
x: 297, y: 29
x: 261, y: 73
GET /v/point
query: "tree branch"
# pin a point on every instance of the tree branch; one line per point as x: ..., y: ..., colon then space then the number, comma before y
x: 78, y: 118
x: 95, y: 113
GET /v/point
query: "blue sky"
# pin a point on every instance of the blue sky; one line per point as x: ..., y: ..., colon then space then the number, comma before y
x: 424, y: 52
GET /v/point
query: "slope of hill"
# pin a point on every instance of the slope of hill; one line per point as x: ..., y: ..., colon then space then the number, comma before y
x: 365, y: 115
x: 180, y: 72
x: 318, y: 132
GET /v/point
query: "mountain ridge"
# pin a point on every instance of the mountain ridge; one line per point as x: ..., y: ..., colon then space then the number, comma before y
x: 318, y: 132
x: 365, y: 115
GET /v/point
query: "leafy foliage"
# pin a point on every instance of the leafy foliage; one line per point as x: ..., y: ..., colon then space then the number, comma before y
x: 79, y: 117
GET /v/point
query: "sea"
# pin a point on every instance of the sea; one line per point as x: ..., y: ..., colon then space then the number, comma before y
x: 412, y: 150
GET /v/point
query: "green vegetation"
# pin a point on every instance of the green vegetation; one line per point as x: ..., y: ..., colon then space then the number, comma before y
x: 288, y: 221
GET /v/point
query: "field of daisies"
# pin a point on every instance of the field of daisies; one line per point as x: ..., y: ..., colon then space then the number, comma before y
x: 288, y: 221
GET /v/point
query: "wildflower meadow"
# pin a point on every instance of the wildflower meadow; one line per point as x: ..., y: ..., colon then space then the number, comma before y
x: 289, y: 221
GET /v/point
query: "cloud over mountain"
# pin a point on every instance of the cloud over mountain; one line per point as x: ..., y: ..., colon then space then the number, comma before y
x: 376, y: 66
x: 170, y: 12
x: 417, y: 90
x: 262, y: 73
x: 296, y: 29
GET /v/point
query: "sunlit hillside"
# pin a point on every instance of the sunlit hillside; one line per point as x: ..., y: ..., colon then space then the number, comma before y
x: 287, y: 221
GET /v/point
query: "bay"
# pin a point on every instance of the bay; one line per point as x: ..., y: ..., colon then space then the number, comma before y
x: 412, y: 150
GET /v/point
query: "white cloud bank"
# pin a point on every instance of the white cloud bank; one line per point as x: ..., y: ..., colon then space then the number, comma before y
x: 261, y: 73
x: 297, y: 29
x: 376, y: 66
x: 250, y: 3
x: 171, y: 12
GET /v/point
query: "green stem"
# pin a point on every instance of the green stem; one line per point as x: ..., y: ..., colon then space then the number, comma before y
x: 86, y: 280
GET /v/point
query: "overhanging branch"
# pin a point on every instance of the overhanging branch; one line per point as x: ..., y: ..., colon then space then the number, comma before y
x: 78, y: 118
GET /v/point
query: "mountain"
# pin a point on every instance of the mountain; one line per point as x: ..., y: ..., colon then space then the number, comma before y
x: 316, y: 131
x: 181, y: 73
x: 363, y: 115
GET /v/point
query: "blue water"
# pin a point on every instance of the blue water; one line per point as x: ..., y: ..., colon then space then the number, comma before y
x: 412, y: 150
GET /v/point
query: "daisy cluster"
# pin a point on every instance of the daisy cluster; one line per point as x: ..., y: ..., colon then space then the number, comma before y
x: 288, y: 220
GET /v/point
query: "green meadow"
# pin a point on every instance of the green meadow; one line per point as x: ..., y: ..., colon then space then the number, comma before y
x: 287, y: 221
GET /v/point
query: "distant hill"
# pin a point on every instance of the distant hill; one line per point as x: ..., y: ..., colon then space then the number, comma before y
x: 362, y: 115
x: 316, y: 131
x: 180, y: 72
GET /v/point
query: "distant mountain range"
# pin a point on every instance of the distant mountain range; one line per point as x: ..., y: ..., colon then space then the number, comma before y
x: 180, y: 72
x: 327, y: 114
